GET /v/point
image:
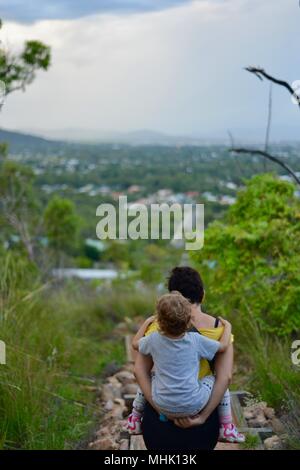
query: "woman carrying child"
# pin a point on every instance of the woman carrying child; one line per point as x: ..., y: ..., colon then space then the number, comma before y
x: 177, y: 393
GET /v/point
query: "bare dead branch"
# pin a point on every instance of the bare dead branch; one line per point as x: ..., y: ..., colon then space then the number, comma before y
x: 269, y: 120
x: 268, y: 128
x: 269, y: 157
x: 261, y: 73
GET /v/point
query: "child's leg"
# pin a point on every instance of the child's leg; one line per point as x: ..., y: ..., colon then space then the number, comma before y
x: 228, y: 430
x: 224, y: 409
x: 135, y: 418
x: 139, y: 402
x: 207, y: 384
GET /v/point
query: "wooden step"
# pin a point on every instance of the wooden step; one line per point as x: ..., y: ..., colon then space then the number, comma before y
x: 237, y: 411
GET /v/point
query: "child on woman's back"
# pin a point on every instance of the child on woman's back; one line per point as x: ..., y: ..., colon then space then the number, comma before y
x: 176, y: 390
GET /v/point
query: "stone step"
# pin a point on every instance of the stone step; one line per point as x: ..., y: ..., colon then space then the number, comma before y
x: 137, y: 443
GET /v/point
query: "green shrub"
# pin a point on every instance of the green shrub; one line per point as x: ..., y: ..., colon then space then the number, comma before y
x: 250, y: 264
x: 253, y: 254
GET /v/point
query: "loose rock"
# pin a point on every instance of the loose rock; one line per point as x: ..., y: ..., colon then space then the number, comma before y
x: 248, y: 414
x: 277, y: 426
x: 111, y: 369
x: 110, y: 391
x: 125, y: 377
x: 273, y: 443
x: 104, y: 444
x: 269, y: 412
x: 109, y: 405
x: 129, y: 389
x: 103, y: 432
x: 258, y: 422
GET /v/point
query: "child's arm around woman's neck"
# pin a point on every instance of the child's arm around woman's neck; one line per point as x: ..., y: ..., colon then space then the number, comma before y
x: 141, y: 332
x: 225, y: 339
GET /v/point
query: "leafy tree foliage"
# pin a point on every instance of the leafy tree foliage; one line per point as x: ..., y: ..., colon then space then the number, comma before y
x: 251, y: 258
x: 61, y: 224
x: 18, y: 205
x: 19, y: 70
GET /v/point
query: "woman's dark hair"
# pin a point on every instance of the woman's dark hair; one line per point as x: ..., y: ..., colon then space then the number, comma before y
x: 188, y: 282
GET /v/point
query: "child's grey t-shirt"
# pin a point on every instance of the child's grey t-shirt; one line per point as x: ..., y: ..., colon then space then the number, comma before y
x: 175, y: 385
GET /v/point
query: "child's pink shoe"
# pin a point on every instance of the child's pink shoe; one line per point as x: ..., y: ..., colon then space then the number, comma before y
x: 229, y: 433
x: 134, y: 424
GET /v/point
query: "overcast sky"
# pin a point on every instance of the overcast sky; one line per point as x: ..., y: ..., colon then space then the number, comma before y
x: 166, y: 65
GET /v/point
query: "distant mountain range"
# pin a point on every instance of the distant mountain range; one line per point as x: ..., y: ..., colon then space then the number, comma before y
x: 138, y: 137
x: 41, y: 140
x: 18, y: 141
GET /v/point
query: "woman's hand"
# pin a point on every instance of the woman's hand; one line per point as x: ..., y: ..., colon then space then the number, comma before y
x: 190, y: 422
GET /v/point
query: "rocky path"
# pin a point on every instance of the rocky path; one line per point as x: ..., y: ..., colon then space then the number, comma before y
x: 256, y: 419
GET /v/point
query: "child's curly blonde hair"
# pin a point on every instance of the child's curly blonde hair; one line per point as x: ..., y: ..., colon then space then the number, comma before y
x: 173, y: 314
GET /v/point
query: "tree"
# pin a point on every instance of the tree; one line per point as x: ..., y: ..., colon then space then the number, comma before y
x: 18, y: 206
x: 17, y: 71
x: 251, y: 258
x: 118, y: 253
x: 61, y: 224
x: 3, y: 151
x: 17, y: 202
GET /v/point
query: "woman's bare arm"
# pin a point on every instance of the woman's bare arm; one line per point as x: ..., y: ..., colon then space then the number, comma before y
x: 223, y: 369
x: 142, y: 370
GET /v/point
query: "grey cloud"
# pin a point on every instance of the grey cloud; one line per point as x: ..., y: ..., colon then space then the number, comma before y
x: 180, y: 71
x: 27, y: 11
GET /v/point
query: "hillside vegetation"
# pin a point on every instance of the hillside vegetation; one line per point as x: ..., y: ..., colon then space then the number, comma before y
x: 58, y: 339
x: 250, y: 263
